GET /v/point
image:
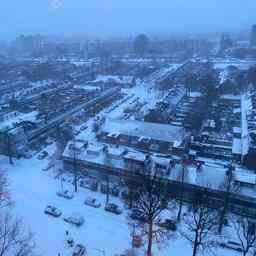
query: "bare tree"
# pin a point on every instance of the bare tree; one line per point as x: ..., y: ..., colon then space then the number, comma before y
x: 105, y: 175
x: 131, y: 194
x: 14, y: 241
x: 9, y: 147
x: 183, y: 170
x: 64, y: 134
x: 141, y: 43
x: 75, y: 153
x: 44, y: 107
x: 152, y: 198
x: 6, y: 141
x: 4, y: 195
x: 245, y: 231
x: 228, y: 188
x: 200, y: 224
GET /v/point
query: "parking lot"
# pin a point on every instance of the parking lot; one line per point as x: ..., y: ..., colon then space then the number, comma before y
x: 96, y: 234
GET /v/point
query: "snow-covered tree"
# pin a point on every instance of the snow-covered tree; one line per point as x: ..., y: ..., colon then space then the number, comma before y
x: 150, y: 200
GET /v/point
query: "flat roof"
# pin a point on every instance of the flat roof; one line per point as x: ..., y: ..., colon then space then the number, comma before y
x: 160, y: 132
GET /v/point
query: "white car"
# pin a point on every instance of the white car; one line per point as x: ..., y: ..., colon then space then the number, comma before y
x: 42, y: 155
x: 66, y: 194
x: 52, y: 210
x: 92, y: 202
x: 75, y: 220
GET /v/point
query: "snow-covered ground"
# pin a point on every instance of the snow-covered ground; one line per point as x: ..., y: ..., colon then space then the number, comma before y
x: 32, y: 189
x: 102, y: 233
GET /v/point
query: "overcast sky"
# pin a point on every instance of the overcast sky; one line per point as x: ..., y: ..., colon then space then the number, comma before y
x: 124, y: 17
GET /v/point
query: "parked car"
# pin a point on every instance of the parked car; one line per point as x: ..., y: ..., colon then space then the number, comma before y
x: 75, y: 220
x: 27, y: 155
x: 79, y: 250
x: 42, y: 155
x: 48, y: 142
x: 92, y: 202
x: 168, y: 224
x: 83, y: 127
x: 66, y: 194
x: 47, y: 168
x: 136, y: 215
x: 53, y: 211
x: 231, y: 245
x: 110, y: 207
x: 76, y: 132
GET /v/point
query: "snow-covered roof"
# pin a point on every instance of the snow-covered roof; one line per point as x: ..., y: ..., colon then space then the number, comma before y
x: 245, y: 178
x: 230, y: 97
x: 161, y: 132
x: 195, y: 94
x: 117, y: 151
x: 87, y: 87
x: 135, y: 156
x: 245, y: 105
x: 237, y: 110
x: 19, y: 117
x: 237, y: 146
x: 117, y: 79
x: 237, y: 130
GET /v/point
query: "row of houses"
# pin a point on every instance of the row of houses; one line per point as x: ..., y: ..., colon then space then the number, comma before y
x: 144, y: 136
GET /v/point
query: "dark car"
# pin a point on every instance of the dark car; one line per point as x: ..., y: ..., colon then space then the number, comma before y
x: 79, y: 250
x: 168, y: 224
x: 110, y: 207
x: 136, y: 215
x: 53, y: 211
x: 232, y: 245
x: 83, y: 127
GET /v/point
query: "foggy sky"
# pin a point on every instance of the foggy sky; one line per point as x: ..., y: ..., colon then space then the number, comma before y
x: 123, y: 17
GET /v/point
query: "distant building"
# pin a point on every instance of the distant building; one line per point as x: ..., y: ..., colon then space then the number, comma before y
x: 253, y: 36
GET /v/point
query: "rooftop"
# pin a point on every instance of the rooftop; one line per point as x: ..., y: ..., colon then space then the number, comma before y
x: 160, y: 132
